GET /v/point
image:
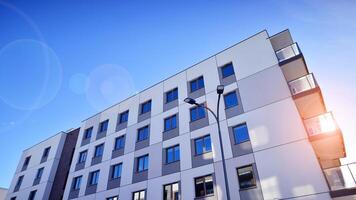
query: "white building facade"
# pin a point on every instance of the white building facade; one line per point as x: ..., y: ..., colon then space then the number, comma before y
x: 155, y: 146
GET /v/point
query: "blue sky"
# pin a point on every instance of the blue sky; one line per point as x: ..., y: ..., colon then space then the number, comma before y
x: 61, y: 62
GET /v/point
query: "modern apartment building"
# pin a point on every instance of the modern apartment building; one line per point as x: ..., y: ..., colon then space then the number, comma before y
x: 43, y: 169
x: 278, y: 139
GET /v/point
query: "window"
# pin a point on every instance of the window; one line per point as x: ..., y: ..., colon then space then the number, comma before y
x: 94, y: 177
x: 76, y: 183
x: 170, y: 123
x: 99, y: 150
x: 124, y: 117
x: 204, y: 186
x: 142, y: 134
x: 230, y: 100
x: 19, y: 182
x: 142, y: 163
x: 88, y: 132
x: 46, y: 152
x: 246, y: 177
x: 27, y: 161
x: 13, y: 198
x: 172, y: 95
x: 82, y: 156
x: 103, y: 127
x: 32, y: 195
x: 241, y: 133
x: 116, y: 171
x: 171, y: 191
x: 197, y: 84
x: 172, y: 154
x: 119, y: 142
x: 146, y: 107
x: 202, y: 145
x: 227, y: 70
x: 197, y: 113
x: 113, y: 198
x: 39, y: 173
x: 139, y: 195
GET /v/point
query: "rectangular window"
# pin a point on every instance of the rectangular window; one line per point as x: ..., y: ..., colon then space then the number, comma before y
x: 171, y: 191
x: 99, y: 150
x: 94, y: 177
x: 227, y: 70
x: 172, y: 95
x: 142, y: 163
x: 197, y: 113
x: 196, y: 84
x: 103, y: 127
x: 32, y: 195
x: 113, y: 198
x: 202, y: 145
x: 82, y: 156
x: 76, y: 183
x: 204, y: 186
x: 142, y: 134
x: 170, y: 123
x: 139, y: 195
x: 39, y: 173
x: 119, y: 142
x: 46, y: 152
x: 230, y: 100
x: 172, y: 154
x: 88, y: 132
x: 19, y: 182
x: 246, y: 177
x: 241, y: 133
x: 27, y: 161
x: 13, y: 198
x: 146, y: 107
x: 116, y: 171
x: 124, y: 117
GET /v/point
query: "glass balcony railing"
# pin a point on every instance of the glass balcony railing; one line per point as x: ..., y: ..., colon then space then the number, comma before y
x: 288, y: 52
x: 302, y: 84
x: 342, y: 177
x: 322, y: 124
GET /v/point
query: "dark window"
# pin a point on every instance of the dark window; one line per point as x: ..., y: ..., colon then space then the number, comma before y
x: 142, y: 163
x: 124, y: 117
x: 46, y: 152
x: 119, y: 142
x: 172, y: 154
x: 32, y: 195
x: 76, y: 183
x: 88, y: 132
x: 170, y: 123
x: 113, y: 198
x: 171, y: 191
x: 241, y: 133
x: 142, y: 134
x: 172, y: 95
x: 146, y: 107
x: 27, y: 160
x: 19, y: 182
x: 139, y: 195
x: 116, y: 171
x: 204, y: 186
x: 246, y: 177
x: 230, y: 100
x: 197, y: 113
x: 99, y: 150
x: 103, y: 127
x: 227, y: 70
x: 13, y: 198
x: 94, y: 177
x: 197, y: 84
x: 82, y: 156
x: 39, y: 173
x: 202, y: 145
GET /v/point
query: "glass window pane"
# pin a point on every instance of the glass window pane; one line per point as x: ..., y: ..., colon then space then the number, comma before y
x: 198, y: 146
x: 227, y: 70
x: 207, y: 143
x: 176, y: 153
x: 169, y: 155
x: 209, y: 186
x: 142, y: 195
x: 199, y: 187
x: 241, y: 133
x: 230, y: 100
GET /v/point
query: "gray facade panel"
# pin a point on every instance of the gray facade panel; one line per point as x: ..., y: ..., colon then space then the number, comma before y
x: 85, y: 141
x: 121, y: 126
x: 171, y: 133
x: 200, y: 123
x: 170, y: 105
x: 73, y: 194
x: 116, y: 153
x: 113, y: 183
x: 96, y: 160
x: 196, y: 93
x: 91, y: 189
x: 100, y: 135
x: 235, y: 110
x: 227, y: 80
x: 79, y: 166
x: 142, y: 144
x: 144, y: 116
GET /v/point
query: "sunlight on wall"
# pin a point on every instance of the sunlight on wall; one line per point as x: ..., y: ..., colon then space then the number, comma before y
x: 259, y: 136
x: 303, y: 190
x: 270, y: 188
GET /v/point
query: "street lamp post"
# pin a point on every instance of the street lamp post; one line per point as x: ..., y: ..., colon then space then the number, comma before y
x: 219, y: 90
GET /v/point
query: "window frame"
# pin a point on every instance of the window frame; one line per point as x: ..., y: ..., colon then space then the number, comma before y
x: 143, y: 163
x: 142, y: 110
x: 120, y: 138
x: 197, y: 112
x: 119, y: 165
x: 254, y: 180
x: 46, y: 151
x: 171, y: 190
x: 85, y: 153
x: 171, y: 95
x: 124, y: 117
x: 27, y: 161
x: 235, y: 133
x: 77, y: 182
x: 96, y: 149
x: 91, y: 177
x: 139, y: 133
x: 170, y: 120
x: 101, y: 126
x: 19, y: 181
x: 32, y: 195
x: 139, y: 194
x: 199, y: 84
x: 174, y: 156
x: 230, y: 64
x: 39, y: 173
x: 204, y: 185
x: 204, y: 148
x: 88, y: 131
x: 236, y: 103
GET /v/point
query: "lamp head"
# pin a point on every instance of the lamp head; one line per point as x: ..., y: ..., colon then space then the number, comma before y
x: 189, y: 100
x: 220, y: 89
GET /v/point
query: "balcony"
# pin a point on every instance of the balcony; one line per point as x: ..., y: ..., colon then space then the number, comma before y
x: 288, y: 52
x: 302, y: 84
x: 341, y: 180
x: 325, y: 137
